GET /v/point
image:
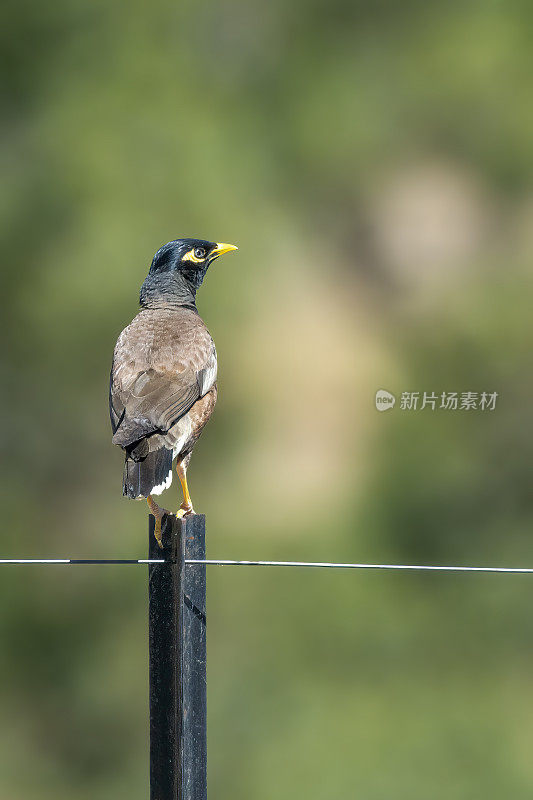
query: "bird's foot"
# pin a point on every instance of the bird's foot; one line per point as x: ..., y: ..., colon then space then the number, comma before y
x: 184, y: 510
x: 158, y: 513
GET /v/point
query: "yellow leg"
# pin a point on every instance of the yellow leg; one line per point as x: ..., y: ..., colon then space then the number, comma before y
x: 186, y: 506
x: 158, y: 513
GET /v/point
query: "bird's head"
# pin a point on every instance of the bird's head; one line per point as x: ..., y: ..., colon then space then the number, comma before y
x: 178, y: 269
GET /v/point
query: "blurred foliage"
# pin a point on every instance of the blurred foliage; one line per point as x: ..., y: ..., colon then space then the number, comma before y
x: 373, y: 161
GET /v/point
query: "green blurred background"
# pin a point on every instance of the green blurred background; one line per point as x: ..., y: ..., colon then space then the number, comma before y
x: 373, y: 161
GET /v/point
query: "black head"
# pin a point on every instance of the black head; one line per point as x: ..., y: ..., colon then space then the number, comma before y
x: 188, y: 255
x: 178, y: 269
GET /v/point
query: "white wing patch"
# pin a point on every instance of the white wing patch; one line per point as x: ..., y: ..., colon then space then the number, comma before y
x: 208, y: 376
x: 183, y: 432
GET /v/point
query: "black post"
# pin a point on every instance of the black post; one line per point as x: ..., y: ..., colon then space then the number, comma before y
x: 177, y: 640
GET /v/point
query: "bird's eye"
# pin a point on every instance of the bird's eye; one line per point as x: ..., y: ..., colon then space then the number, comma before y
x: 199, y: 252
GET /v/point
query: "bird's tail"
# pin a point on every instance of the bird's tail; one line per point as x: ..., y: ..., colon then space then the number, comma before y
x: 151, y: 475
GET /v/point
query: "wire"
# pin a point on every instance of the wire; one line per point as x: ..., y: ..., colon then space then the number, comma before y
x: 332, y: 565
x: 233, y: 563
x: 82, y: 561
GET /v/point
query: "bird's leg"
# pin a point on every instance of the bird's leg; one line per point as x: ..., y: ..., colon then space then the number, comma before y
x: 158, y: 513
x: 186, y: 506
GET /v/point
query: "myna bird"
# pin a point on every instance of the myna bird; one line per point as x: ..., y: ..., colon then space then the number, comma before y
x: 163, y: 379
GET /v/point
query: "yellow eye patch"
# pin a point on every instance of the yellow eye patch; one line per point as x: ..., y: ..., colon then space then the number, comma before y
x: 191, y: 257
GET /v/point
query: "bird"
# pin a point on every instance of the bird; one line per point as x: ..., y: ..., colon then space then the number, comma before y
x: 163, y: 383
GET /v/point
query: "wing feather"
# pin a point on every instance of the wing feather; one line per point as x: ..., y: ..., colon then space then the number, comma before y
x: 164, y: 361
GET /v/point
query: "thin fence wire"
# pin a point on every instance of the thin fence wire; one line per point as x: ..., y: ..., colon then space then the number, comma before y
x: 334, y: 565
x: 221, y: 562
x: 49, y: 561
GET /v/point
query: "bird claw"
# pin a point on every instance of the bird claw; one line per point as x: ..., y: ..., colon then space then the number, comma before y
x: 184, y: 510
x: 158, y: 514
x: 157, y: 532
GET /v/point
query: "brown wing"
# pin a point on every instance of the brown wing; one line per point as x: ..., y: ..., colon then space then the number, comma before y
x: 164, y: 361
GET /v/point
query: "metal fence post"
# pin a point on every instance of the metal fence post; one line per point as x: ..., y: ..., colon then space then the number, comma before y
x: 177, y: 645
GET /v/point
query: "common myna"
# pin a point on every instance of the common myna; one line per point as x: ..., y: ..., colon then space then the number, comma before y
x: 163, y: 378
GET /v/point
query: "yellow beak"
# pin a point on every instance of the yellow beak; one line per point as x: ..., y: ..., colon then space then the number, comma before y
x: 222, y: 248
